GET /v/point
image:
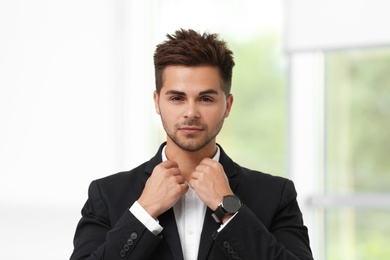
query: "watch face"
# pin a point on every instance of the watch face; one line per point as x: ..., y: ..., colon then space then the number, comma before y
x: 231, y: 203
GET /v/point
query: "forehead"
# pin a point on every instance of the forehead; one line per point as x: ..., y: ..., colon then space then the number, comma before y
x: 183, y: 78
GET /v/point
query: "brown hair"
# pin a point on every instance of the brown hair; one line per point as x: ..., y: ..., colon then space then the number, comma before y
x: 190, y: 48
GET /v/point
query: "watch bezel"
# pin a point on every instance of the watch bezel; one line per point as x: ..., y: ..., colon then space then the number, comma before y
x: 231, y: 204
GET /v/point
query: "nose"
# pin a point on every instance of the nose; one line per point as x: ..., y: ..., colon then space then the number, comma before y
x: 191, y: 111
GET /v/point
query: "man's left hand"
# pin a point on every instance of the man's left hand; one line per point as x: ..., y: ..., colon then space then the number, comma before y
x: 210, y: 182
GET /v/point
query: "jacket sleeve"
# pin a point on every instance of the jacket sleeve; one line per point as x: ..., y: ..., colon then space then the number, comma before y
x: 97, y: 238
x: 246, y: 237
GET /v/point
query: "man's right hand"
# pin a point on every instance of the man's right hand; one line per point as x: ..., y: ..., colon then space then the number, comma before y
x: 163, y: 189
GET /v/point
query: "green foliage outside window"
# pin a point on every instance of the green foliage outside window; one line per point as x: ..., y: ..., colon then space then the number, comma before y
x: 358, y: 150
x: 255, y: 133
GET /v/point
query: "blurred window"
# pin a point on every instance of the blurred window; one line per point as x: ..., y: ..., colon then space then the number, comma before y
x: 357, y: 162
x: 255, y: 134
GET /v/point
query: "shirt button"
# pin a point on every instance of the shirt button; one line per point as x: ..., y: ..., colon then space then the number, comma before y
x: 190, y: 231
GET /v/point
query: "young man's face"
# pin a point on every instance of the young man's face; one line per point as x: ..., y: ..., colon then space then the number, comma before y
x: 192, y: 105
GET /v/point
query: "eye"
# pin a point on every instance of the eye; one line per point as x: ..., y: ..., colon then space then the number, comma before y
x: 176, y: 98
x: 206, y: 99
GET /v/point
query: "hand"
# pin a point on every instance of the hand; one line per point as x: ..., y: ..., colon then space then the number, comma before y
x: 163, y: 189
x: 210, y: 182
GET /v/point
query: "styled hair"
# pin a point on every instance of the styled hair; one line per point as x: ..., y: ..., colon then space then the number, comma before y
x: 190, y: 48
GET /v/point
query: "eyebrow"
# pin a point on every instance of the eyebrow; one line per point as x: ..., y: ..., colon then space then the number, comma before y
x: 208, y: 92
x: 181, y: 93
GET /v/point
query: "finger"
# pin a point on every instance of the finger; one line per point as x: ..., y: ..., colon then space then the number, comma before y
x: 196, y: 174
x: 203, y: 171
x: 184, y: 187
x: 162, y: 167
x: 180, y: 179
x: 174, y: 171
x: 169, y: 164
x: 210, y: 165
x: 192, y: 183
x: 207, y: 161
x: 203, y: 168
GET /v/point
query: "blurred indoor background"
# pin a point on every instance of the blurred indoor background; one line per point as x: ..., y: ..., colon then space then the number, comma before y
x: 312, y: 103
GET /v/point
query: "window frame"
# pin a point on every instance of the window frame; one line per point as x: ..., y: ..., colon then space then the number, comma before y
x: 307, y: 150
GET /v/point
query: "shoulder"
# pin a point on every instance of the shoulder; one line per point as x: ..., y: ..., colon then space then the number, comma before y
x: 123, y: 177
x: 139, y: 173
x: 259, y: 188
x: 121, y: 185
x: 250, y: 179
x: 260, y: 178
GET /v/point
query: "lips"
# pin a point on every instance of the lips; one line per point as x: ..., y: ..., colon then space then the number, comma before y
x: 190, y: 130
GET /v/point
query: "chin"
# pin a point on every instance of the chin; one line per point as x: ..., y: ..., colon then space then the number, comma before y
x: 192, y: 146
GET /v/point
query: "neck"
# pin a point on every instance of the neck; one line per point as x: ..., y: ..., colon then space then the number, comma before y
x: 188, y: 160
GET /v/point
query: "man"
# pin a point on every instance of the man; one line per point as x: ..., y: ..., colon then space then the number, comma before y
x: 191, y: 201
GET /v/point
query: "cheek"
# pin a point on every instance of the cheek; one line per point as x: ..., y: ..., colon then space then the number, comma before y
x: 162, y: 109
x: 214, y: 118
x: 169, y: 115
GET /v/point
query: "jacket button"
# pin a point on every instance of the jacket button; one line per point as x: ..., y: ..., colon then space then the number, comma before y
x: 226, y: 244
x: 133, y: 235
x: 130, y: 242
x: 126, y: 247
x: 230, y: 250
x: 123, y: 253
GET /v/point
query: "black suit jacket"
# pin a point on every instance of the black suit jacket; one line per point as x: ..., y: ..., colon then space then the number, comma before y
x: 269, y: 225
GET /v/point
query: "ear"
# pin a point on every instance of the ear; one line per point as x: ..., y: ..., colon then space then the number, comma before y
x: 229, y: 103
x: 156, y: 97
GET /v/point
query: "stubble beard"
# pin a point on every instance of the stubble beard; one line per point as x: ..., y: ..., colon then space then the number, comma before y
x: 191, y: 142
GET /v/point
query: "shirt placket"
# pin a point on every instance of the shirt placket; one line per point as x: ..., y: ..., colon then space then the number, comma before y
x: 190, y: 225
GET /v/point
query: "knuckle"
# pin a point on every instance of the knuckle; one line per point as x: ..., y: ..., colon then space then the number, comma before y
x: 166, y: 174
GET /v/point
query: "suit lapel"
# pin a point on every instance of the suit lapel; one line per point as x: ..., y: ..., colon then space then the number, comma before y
x: 171, y: 234
x: 209, y: 225
x: 167, y: 219
x: 206, y: 238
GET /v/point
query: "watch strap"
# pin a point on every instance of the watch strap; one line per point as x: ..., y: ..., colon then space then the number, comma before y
x: 219, y: 213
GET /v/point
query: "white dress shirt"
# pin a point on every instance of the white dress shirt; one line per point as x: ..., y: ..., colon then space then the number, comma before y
x: 189, y: 215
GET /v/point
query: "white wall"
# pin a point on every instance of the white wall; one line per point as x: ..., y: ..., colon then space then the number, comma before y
x: 336, y: 24
x: 62, y: 117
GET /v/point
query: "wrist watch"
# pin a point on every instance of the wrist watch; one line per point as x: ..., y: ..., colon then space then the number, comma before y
x: 230, y: 205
